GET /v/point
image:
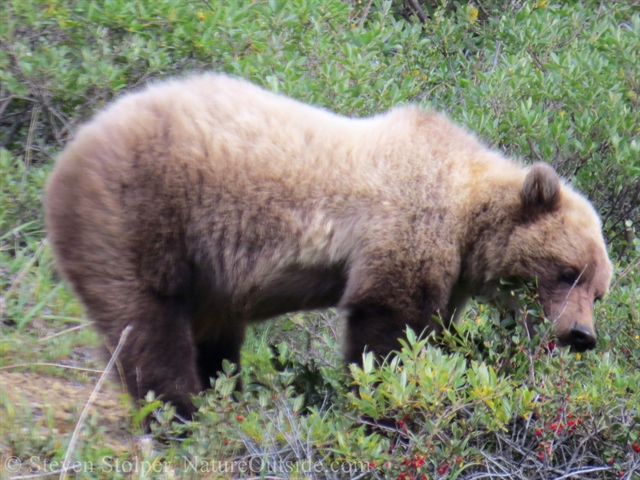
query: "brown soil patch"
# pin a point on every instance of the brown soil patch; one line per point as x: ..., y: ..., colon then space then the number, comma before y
x: 65, y: 399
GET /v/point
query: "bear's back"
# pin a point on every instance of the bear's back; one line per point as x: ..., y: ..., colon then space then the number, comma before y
x: 231, y: 131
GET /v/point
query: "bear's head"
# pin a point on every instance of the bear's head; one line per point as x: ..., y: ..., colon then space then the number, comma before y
x: 558, y: 240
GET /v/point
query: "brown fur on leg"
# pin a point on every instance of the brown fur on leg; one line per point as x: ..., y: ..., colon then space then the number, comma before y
x: 162, y: 359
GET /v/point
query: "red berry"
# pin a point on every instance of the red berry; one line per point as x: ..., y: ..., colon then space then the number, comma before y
x: 610, y: 462
x: 538, y: 432
x: 636, y: 447
x: 372, y: 464
x: 552, y: 346
x: 553, y: 426
x: 541, y: 456
x: 239, y: 418
x: 621, y: 474
x: 226, y: 442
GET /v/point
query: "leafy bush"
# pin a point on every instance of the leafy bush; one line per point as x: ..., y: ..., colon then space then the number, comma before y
x: 529, y: 411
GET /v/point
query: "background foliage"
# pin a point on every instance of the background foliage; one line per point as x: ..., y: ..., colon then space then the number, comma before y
x: 550, y: 81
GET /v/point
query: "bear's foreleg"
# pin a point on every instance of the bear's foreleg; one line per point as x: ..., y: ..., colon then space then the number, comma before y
x: 377, y: 329
x: 371, y: 328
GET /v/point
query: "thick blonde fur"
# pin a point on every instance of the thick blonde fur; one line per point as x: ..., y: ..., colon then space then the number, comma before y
x: 198, y: 205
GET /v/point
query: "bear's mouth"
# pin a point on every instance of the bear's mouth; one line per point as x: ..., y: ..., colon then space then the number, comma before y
x: 572, y: 348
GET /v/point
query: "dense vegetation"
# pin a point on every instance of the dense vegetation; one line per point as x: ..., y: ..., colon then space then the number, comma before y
x: 551, y: 81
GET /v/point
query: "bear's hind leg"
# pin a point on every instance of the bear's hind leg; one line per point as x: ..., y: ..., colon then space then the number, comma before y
x: 211, y: 353
x: 159, y: 353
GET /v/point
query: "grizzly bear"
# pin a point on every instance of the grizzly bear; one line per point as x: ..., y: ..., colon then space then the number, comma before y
x: 197, y: 206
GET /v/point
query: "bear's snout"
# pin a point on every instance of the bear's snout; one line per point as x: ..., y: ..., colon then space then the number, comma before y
x: 580, y: 339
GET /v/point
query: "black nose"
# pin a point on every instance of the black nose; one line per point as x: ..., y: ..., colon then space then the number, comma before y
x: 580, y: 339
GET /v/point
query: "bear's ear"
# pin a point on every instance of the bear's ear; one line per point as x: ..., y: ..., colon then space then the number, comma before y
x: 541, y: 190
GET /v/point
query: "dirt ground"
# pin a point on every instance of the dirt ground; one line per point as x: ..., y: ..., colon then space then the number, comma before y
x: 65, y: 399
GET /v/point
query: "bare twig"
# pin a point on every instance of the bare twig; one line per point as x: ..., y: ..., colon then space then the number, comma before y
x: 68, y: 330
x: 76, y: 431
x: 415, y: 6
x: 577, y: 473
x: 496, y: 54
x: 27, y: 154
x: 566, y: 303
x: 630, y: 268
x: 364, y: 15
x: 42, y: 99
x: 534, y: 151
x: 12, y: 131
x: 5, y: 103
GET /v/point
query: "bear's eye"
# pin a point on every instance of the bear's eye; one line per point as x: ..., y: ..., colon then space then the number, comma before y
x: 570, y: 277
